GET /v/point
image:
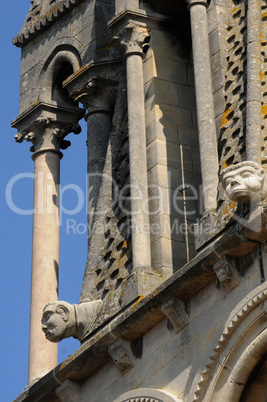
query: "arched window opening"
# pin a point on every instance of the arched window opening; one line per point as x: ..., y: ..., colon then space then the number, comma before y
x: 60, y: 94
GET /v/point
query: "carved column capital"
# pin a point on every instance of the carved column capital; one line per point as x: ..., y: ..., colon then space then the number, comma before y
x: 46, y: 125
x: 134, y: 38
x: 191, y: 3
x: 47, y: 134
x: 97, y: 96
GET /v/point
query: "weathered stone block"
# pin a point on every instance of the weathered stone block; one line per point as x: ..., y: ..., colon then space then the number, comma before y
x: 167, y: 253
x: 156, y: 338
x: 175, y: 312
x: 217, y: 40
x: 163, y: 130
x: 187, y: 97
x: 149, y: 366
x: 218, y: 80
x: 218, y: 60
x: 188, y: 136
x: 161, y: 91
x: 171, y: 70
x: 167, y: 226
x: 167, y: 47
x: 164, y: 153
x: 149, y: 69
x: 219, y: 103
x: 217, y: 17
x: 164, y: 176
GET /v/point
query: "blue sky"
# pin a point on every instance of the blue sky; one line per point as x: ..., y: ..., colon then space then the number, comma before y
x: 16, y: 233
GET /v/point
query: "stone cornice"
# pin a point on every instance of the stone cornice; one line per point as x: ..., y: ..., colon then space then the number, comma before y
x: 39, y: 20
x: 141, y: 16
x: 52, y: 110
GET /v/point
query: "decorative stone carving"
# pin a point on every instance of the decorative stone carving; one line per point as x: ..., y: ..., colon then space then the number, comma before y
x: 226, y: 273
x: 122, y: 355
x: 98, y: 95
x: 134, y: 38
x: 45, y: 134
x: 244, y: 182
x: 147, y: 395
x: 175, y: 312
x: 61, y: 319
x: 242, y: 311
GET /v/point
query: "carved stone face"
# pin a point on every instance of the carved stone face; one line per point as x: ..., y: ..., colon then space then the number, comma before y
x: 54, y: 322
x: 244, y: 182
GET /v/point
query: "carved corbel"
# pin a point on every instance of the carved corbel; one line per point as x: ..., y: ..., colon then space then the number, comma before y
x: 122, y: 355
x: 226, y: 273
x: 175, y: 312
x: 62, y: 320
x: 134, y: 38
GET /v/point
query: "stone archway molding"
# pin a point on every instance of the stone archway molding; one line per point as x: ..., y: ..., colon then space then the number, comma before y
x: 59, y: 55
x: 147, y: 395
x: 243, y: 368
x: 243, y: 310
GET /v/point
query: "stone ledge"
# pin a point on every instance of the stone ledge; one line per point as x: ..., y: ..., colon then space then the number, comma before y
x: 252, y: 227
x: 139, y: 317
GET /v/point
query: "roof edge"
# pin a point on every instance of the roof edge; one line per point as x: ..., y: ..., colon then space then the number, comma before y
x: 41, y: 24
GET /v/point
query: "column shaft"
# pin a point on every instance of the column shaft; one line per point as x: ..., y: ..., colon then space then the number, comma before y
x: 205, y: 106
x: 98, y: 131
x: 138, y: 163
x: 99, y: 184
x: 45, y: 258
x: 253, y: 110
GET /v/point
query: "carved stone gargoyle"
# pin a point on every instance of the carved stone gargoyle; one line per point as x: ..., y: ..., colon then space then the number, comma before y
x: 245, y: 182
x: 61, y: 319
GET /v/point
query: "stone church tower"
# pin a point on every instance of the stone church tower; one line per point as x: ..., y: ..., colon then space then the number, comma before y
x: 173, y: 300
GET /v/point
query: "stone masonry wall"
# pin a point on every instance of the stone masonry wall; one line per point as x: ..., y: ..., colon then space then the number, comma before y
x: 178, y: 362
x: 172, y: 149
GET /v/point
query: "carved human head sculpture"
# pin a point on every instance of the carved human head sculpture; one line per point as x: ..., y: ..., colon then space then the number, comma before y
x: 58, y: 321
x: 61, y: 319
x: 244, y: 181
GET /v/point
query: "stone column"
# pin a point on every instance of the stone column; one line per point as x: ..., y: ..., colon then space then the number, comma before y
x: 98, y: 99
x: 47, y: 136
x: 132, y: 38
x: 204, y: 102
x: 253, y: 109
